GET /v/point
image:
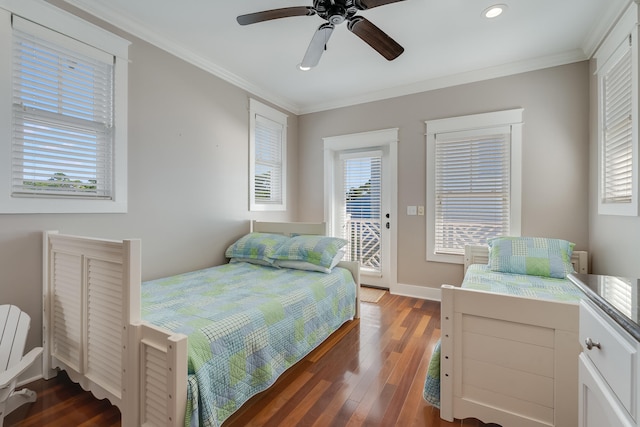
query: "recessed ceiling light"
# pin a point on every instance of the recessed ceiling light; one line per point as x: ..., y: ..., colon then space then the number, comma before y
x: 494, y: 11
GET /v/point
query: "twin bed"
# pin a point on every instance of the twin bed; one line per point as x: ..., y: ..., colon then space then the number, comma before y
x: 246, y: 323
x: 509, y: 347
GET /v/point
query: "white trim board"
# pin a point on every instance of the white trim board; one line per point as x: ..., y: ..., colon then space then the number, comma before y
x: 416, y: 291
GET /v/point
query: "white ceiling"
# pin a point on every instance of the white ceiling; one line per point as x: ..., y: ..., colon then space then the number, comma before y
x: 446, y: 42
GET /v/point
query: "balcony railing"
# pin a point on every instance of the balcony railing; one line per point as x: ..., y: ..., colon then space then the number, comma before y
x: 364, y: 244
x: 451, y: 237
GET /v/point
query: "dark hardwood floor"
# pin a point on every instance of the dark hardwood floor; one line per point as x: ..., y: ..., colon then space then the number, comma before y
x: 370, y: 373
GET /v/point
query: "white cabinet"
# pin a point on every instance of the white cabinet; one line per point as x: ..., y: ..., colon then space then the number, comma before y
x: 608, y: 371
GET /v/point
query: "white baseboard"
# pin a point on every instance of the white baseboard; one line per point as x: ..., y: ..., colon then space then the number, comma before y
x: 414, y: 291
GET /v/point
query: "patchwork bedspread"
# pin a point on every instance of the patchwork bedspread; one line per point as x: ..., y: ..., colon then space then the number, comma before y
x: 246, y: 325
x: 479, y: 277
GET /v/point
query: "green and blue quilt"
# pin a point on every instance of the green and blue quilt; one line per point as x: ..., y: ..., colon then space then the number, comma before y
x: 480, y: 277
x: 246, y: 325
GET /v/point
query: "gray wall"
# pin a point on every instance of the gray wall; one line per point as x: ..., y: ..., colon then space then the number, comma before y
x: 188, y: 181
x: 555, y: 156
x: 614, y: 240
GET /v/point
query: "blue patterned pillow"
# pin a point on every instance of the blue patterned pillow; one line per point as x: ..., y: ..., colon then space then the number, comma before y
x: 535, y: 256
x: 317, y: 250
x: 258, y: 247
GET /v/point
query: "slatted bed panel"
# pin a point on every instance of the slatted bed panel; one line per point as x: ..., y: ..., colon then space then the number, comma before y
x: 104, y: 316
x: 160, y: 361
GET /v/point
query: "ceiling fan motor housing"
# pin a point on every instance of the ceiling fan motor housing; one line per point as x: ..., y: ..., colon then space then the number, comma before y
x: 335, y: 11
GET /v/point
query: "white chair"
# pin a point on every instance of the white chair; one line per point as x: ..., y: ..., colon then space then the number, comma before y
x: 14, y: 326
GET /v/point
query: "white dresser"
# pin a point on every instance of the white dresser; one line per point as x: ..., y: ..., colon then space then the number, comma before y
x: 609, y: 368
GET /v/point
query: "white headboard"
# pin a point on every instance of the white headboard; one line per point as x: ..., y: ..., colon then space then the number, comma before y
x: 289, y: 228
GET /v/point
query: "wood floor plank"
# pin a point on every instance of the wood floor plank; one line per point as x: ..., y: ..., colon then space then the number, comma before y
x: 370, y: 373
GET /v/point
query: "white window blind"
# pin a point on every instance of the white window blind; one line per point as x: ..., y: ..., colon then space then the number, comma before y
x: 63, y: 109
x: 472, y: 188
x: 617, y: 151
x: 363, y: 208
x: 267, y: 158
x: 268, y: 152
x: 619, y: 292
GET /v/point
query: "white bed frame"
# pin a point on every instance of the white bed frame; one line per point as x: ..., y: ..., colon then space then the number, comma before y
x: 92, y: 327
x: 506, y: 359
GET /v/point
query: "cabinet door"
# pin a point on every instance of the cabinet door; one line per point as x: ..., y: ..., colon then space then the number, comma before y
x: 597, y: 405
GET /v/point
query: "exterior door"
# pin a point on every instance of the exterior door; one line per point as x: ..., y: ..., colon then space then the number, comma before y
x: 359, y: 205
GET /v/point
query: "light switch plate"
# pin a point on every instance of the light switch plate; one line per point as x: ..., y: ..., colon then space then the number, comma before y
x: 412, y: 210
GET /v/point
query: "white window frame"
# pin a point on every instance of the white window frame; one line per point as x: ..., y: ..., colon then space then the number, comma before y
x: 256, y: 110
x: 624, y: 36
x: 477, y: 122
x: 59, y: 21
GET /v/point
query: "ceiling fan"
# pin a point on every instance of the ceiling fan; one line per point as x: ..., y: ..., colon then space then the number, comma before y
x: 335, y: 12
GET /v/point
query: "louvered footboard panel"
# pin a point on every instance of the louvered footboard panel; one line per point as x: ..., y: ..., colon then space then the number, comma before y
x: 66, y: 325
x: 163, y: 375
x: 91, y: 295
x: 104, y: 324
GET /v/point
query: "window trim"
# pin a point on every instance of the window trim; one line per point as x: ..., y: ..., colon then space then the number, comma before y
x: 512, y: 118
x: 257, y: 108
x: 69, y: 25
x: 625, y: 28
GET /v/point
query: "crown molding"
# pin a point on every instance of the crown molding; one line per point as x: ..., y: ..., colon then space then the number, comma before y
x: 605, y: 23
x: 441, y: 82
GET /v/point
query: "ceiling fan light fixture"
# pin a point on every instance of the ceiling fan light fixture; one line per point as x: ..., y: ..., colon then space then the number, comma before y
x: 334, y: 12
x: 494, y: 11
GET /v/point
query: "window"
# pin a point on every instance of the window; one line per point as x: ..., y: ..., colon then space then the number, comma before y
x: 473, y: 181
x: 362, y: 215
x: 66, y: 151
x: 617, y: 75
x: 267, y: 158
x: 361, y: 199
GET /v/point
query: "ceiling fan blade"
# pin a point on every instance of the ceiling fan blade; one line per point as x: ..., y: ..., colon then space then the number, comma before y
x: 267, y: 15
x: 375, y: 37
x: 368, y: 4
x: 317, y: 46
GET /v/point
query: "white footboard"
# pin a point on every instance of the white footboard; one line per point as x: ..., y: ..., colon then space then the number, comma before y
x: 161, y: 361
x: 92, y: 330
x: 508, y: 360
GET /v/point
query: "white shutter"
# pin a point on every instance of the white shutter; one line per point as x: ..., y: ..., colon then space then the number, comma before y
x: 62, y: 118
x: 268, y: 161
x: 472, y: 188
x: 617, y: 150
x: 363, y: 204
